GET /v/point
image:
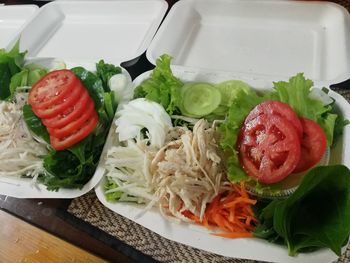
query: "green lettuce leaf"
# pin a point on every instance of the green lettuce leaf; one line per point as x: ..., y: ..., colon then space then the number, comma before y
x: 162, y: 86
x: 245, y: 100
x: 296, y: 92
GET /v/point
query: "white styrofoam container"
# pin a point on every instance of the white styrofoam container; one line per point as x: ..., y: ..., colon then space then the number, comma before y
x: 257, y: 42
x: 87, y: 31
x: 81, y: 33
x: 199, y: 237
x: 270, y: 39
x: 12, y: 19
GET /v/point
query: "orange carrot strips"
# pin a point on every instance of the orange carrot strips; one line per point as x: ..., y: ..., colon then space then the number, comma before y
x: 231, y: 212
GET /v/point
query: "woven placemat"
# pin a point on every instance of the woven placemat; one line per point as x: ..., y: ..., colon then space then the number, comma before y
x: 89, y: 209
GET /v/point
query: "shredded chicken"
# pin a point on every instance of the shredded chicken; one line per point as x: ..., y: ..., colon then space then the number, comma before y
x: 187, y: 171
x: 20, y: 154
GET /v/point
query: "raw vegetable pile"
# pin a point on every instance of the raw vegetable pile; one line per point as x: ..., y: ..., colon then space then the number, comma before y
x: 54, y: 122
x: 193, y: 149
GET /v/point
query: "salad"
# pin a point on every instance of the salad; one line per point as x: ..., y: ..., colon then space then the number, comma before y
x: 221, y: 155
x: 54, y: 121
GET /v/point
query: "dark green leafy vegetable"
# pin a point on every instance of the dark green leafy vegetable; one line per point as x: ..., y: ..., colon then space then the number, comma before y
x: 92, y: 83
x: 10, y: 63
x: 73, y: 167
x: 105, y: 71
x: 5, y: 77
x: 316, y: 215
x: 34, y: 123
x: 162, y: 86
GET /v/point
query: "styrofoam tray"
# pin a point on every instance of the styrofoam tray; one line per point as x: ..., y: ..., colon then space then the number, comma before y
x: 24, y: 188
x: 199, y: 237
x: 271, y: 38
x: 12, y: 19
x: 80, y: 33
x: 115, y: 31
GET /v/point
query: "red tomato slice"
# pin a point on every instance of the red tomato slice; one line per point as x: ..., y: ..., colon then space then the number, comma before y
x: 277, y: 108
x: 69, y: 114
x: 55, y: 109
x: 82, y: 133
x: 313, y: 145
x: 52, y: 88
x: 269, y: 148
x: 73, y: 126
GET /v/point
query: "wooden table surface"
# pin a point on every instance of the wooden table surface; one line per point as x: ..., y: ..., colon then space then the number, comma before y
x: 22, y: 242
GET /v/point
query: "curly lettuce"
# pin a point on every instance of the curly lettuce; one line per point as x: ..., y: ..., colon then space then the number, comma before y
x: 162, y: 86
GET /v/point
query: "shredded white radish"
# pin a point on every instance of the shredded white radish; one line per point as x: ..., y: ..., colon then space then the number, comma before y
x: 128, y: 167
x: 187, y: 171
x: 20, y: 154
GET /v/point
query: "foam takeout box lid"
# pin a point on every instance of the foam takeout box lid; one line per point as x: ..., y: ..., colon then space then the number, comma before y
x: 12, y: 19
x: 116, y: 31
x: 264, y: 39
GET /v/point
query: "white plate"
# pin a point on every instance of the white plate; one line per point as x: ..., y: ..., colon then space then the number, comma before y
x: 12, y: 19
x: 199, y: 237
x: 80, y: 33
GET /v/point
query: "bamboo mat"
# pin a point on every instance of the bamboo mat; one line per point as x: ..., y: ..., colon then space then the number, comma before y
x: 90, y: 210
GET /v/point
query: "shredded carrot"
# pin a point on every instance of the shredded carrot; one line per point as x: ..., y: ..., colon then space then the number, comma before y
x: 231, y: 212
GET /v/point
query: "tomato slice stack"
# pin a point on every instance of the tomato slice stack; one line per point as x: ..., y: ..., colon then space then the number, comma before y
x: 65, y: 107
x: 274, y: 142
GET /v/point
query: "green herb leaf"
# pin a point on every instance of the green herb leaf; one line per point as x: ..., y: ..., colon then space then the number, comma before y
x: 92, y: 83
x: 316, y: 215
x: 105, y: 71
x: 10, y: 64
x: 34, y: 123
x: 5, y: 77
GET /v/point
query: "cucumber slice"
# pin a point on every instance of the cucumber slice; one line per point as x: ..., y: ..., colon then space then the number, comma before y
x: 229, y: 90
x: 199, y: 99
x: 34, y: 75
